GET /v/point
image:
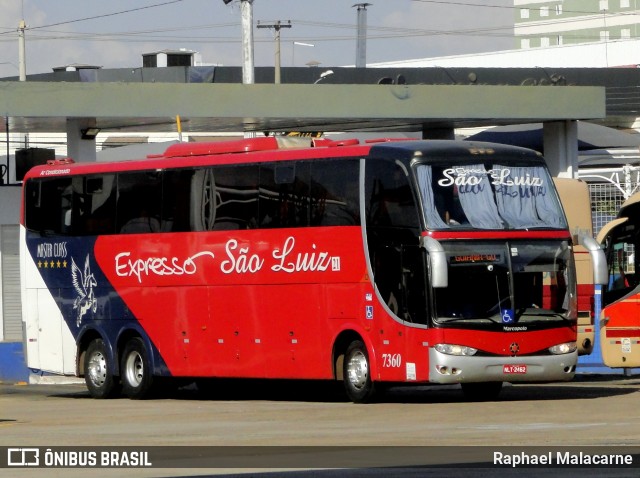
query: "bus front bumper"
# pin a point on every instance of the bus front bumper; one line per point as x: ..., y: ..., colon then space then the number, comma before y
x: 449, y: 369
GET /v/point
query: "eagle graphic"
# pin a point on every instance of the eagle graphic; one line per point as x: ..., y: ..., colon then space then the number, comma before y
x: 83, y: 282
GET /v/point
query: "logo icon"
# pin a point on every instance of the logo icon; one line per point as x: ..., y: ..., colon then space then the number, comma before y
x: 23, y: 457
x: 508, y: 316
x: 369, y: 312
x: 514, y: 348
x: 83, y: 282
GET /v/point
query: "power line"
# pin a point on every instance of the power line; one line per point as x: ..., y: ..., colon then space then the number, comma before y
x: 384, y: 32
x: 95, y: 17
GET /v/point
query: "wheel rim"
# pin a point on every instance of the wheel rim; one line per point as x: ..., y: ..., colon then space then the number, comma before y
x: 358, y: 370
x: 97, y: 369
x: 134, y: 369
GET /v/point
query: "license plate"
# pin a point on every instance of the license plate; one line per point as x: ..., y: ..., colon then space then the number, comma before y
x: 514, y: 369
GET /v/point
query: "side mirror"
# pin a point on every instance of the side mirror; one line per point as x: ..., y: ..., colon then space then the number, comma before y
x: 598, y: 259
x: 438, y: 268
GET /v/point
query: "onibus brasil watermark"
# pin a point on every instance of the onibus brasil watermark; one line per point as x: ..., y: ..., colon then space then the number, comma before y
x: 40, y: 457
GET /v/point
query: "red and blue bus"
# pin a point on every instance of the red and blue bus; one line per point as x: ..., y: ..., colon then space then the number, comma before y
x: 372, y: 264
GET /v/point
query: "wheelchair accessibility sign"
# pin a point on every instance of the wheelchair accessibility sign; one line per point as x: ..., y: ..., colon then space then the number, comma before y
x: 508, y: 316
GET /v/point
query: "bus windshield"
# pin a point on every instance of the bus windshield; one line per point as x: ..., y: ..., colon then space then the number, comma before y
x: 514, y: 282
x: 489, y: 196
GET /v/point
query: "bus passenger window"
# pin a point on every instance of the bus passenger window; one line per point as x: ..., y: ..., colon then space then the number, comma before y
x: 94, y: 204
x: 334, y: 193
x: 48, y: 205
x: 284, y: 195
x: 139, y: 202
x: 176, y: 194
x: 236, y: 197
x: 390, y: 199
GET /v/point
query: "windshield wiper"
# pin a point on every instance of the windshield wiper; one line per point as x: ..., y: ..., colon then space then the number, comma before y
x: 466, y: 319
x: 534, y: 313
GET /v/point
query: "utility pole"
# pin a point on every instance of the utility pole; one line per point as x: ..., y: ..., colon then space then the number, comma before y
x: 22, y: 57
x: 361, y: 45
x: 277, y: 25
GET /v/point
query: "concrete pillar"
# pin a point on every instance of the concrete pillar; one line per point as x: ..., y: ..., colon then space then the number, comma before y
x: 78, y: 149
x: 561, y: 148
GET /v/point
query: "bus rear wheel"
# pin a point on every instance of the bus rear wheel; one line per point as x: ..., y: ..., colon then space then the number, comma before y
x: 135, y: 369
x: 481, y: 391
x: 97, y: 371
x: 357, y: 373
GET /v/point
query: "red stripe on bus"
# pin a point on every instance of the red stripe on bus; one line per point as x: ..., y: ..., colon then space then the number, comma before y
x: 623, y: 333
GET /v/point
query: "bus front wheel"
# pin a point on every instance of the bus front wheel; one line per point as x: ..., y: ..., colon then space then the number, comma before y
x: 357, y: 373
x: 97, y: 371
x: 135, y: 369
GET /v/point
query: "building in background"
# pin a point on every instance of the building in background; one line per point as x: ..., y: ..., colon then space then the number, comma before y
x: 546, y: 23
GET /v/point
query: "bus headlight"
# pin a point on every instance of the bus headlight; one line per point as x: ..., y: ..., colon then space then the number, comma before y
x: 565, y: 348
x: 450, y: 349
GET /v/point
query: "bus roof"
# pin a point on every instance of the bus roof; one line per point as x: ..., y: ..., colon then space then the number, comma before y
x: 284, y: 148
x: 221, y: 152
x: 446, y: 149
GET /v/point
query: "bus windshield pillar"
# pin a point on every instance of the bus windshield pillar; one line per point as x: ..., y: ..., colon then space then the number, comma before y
x: 437, y: 261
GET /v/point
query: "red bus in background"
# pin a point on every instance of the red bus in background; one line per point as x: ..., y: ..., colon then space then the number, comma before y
x: 389, y: 262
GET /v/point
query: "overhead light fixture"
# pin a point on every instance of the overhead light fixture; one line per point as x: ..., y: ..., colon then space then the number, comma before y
x: 323, y: 75
x: 89, y: 133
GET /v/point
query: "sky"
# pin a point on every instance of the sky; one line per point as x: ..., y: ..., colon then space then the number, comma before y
x: 116, y: 33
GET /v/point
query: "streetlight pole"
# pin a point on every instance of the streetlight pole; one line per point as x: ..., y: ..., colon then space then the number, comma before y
x: 277, y: 25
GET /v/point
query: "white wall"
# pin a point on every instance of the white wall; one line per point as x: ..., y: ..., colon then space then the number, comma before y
x: 589, y: 55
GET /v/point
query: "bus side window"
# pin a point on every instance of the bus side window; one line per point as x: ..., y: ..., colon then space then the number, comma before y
x: 334, y: 193
x: 390, y: 199
x: 236, y: 197
x: 94, y: 204
x: 139, y: 202
x: 176, y: 194
x: 284, y: 195
x: 48, y: 205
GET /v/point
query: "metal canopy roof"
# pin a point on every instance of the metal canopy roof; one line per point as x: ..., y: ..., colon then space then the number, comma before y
x: 204, y: 107
x: 590, y: 136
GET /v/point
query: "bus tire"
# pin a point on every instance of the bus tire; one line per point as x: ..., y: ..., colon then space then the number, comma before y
x: 97, y: 371
x: 135, y: 370
x: 357, y: 373
x: 481, y: 391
